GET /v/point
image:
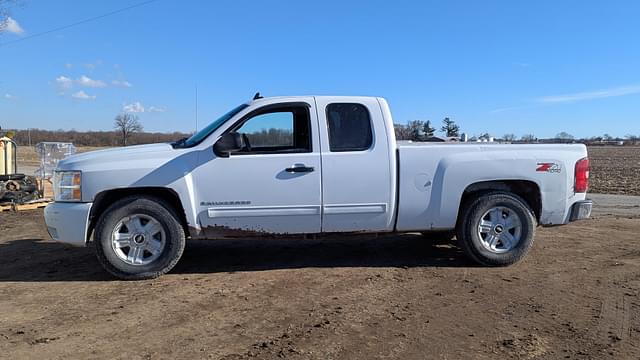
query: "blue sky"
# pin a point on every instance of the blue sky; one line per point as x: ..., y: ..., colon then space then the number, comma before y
x: 517, y: 67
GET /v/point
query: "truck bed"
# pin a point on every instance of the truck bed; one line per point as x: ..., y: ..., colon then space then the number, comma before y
x: 433, y: 177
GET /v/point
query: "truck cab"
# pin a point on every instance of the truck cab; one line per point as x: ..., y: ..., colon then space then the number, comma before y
x: 293, y: 169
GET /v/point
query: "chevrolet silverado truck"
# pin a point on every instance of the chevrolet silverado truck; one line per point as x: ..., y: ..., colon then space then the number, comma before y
x: 311, y: 165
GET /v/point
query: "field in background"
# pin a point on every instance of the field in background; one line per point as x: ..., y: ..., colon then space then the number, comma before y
x: 615, y: 169
x: 28, y: 158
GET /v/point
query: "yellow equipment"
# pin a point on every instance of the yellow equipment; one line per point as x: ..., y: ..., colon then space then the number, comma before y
x: 14, y: 188
x: 8, y: 163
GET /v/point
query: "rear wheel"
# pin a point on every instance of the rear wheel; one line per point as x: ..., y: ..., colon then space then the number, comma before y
x: 139, y: 238
x: 497, y: 229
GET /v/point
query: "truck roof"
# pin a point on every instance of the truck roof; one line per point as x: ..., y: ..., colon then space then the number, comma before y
x: 331, y: 97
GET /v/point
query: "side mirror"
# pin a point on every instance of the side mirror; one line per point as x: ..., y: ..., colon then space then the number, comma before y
x: 228, y: 143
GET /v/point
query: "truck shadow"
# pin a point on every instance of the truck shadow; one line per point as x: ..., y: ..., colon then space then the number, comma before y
x: 37, y: 260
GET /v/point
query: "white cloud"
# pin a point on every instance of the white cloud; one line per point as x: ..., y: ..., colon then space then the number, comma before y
x: 157, y: 109
x: 590, y: 95
x: 9, y: 96
x: 64, y: 82
x: 81, y: 95
x: 89, y: 82
x: 121, y: 83
x: 68, y: 65
x: 135, y: 107
x: 12, y: 26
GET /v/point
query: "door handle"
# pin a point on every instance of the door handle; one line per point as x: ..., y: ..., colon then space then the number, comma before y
x: 299, y: 169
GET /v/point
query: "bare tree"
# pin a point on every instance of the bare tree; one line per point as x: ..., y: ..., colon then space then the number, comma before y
x: 485, y: 136
x: 528, y: 138
x: 564, y: 137
x: 509, y: 137
x: 402, y: 132
x: 127, y: 124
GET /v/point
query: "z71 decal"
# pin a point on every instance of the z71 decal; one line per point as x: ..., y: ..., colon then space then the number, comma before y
x: 549, y: 167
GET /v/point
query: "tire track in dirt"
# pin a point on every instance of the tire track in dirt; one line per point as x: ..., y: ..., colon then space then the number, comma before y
x: 619, y: 315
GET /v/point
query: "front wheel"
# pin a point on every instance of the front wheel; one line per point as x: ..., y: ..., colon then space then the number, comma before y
x: 139, y: 238
x: 497, y: 229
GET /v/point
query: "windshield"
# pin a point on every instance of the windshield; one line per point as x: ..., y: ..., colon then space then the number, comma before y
x: 206, y: 131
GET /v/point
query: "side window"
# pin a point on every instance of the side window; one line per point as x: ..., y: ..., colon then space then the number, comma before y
x: 279, y: 130
x: 349, y: 127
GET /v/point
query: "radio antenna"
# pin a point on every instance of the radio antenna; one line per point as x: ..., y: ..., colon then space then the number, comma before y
x: 196, y: 107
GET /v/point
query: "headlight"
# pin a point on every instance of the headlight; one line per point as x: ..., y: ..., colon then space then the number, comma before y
x: 67, y: 186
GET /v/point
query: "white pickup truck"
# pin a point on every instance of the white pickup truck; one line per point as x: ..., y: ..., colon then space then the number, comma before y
x: 311, y: 165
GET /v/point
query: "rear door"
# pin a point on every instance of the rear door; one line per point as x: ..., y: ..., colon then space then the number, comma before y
x: 357, y: 173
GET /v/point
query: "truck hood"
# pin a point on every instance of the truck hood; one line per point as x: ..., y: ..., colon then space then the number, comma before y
x: 118, y: 158
x: 154, y: 165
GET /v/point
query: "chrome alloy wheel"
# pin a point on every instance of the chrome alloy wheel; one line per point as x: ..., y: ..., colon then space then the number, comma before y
x: 500, y: 229
x: 138, y: 239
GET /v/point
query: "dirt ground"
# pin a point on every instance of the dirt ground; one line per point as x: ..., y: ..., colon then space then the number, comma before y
x: 391, y: 297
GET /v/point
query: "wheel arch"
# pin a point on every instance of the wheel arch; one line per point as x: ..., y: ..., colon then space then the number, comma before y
x: 528, y: 190
x: 106, y: 198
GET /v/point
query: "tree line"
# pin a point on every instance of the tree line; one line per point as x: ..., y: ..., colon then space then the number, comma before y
x: 418, y: 130
x: 92, y: 138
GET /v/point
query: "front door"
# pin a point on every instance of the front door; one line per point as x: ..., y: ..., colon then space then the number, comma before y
x: 272, y: 185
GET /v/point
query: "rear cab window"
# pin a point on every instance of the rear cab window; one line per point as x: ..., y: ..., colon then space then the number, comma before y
x: 349, y: 127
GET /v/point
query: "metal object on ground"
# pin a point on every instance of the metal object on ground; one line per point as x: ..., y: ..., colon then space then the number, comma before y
x: 8, y: 164
x: 18, y: 188
x: 50, y: 154
x: 14, y: 188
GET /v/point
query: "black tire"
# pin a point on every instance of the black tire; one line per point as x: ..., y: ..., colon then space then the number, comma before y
x: 472, y: 242
x: 12, y: 177
x: 148, y: 206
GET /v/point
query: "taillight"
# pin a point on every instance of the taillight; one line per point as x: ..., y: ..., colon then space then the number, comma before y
x: 582, y: 176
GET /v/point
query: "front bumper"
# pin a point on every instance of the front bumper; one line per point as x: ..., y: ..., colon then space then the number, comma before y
x: 68, y: 222
x: 581, y: 210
